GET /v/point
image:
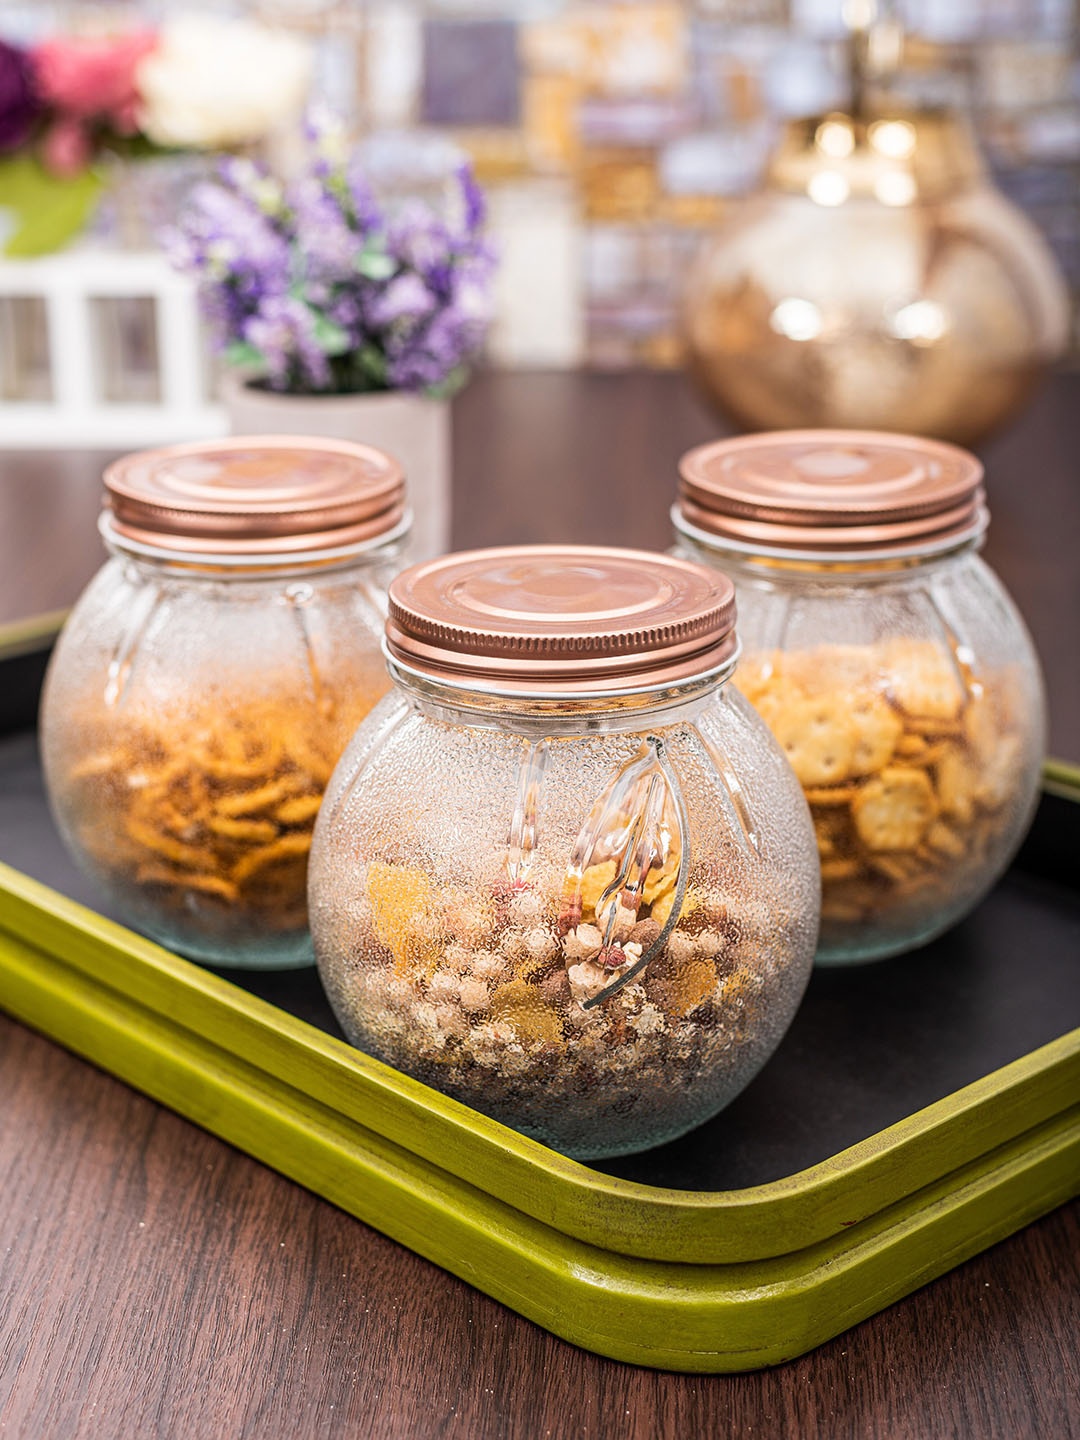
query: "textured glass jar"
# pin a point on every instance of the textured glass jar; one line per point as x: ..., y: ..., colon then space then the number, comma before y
x: 209, y: 677
x: 888, y: 660
x: 563, y: 873
x: 877, y: 280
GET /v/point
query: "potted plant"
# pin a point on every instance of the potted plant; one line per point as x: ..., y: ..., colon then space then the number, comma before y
x: 341, y: 314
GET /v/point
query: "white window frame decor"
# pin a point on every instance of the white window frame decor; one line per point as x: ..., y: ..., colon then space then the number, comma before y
x: 78, y: 414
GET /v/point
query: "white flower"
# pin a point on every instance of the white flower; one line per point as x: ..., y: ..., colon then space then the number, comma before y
x: 213, y: 83
x: 458, y: 959
x: 512, y: 945
x: 514, y: 1060
x: 397, y: 991
x: 427, y: 1018
x: 488, y: 1042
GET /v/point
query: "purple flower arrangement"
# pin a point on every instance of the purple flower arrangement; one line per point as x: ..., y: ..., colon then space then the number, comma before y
x: 318, y: 287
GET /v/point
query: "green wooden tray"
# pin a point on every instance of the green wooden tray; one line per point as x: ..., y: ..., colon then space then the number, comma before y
x: 678, y: 1277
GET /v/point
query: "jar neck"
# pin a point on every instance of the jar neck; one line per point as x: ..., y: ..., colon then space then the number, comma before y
x: 751, y: 567
x: 371, y: 555
x: 564, y: 714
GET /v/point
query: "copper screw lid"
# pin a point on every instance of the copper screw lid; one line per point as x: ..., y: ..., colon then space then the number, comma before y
x: 257, y: 495
x: 561, y: 620
x: 840, y: 493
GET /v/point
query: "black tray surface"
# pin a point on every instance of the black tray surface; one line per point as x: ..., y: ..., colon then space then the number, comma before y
x: 870, y: 1045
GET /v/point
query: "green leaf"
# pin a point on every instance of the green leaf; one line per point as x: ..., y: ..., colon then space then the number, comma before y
x: 373, y: 365
x: 244, y: 355
x: 330, y: 338
x: 48, y: 210
x: 374, y: 265
x: 448, y: 387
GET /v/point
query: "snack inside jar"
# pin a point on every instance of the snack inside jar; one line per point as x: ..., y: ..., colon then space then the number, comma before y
x: 886, y: 658
x: 563, y: 873
x: 208, y: 679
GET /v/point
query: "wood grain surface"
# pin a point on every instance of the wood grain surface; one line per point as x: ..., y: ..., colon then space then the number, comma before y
x: 156, y: 1283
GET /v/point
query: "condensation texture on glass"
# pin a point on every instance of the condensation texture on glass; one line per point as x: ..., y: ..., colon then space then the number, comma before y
x: 909, y: 702
x: 189, y: 727
x: 595, y: 934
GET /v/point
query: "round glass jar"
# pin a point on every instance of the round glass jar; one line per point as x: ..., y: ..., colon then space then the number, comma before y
x: 209, y: 677
x: 876, y: 279
x: 563, y: 873
x: 888, y: 660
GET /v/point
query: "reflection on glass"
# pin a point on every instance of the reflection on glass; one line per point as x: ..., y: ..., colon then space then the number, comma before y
x: 895, y: 187
x: 834, y: 138
x: 797, y: 319
x: 880, y: 291
x: 828, y: 187
x: 894, y: 138
x: 922, y: 322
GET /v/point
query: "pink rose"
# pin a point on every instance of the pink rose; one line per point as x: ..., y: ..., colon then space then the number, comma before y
x: 93, y: 78
x: 66, y: 148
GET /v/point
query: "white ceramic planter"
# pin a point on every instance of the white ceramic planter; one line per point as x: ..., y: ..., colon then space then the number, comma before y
x: 412, y: 428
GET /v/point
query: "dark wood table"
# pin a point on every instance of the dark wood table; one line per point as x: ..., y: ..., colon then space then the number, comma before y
x: 155, y: 1282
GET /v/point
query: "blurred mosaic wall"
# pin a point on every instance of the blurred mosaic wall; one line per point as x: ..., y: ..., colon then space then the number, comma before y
x: 614, y: 132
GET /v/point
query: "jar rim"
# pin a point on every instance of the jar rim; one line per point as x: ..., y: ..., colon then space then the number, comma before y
x: 598, y: 701
x: 251, y: 565
x: 851, y: 559
x: 533, y: 707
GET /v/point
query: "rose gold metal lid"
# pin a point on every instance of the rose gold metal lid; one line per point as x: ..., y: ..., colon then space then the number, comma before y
x: 838, y: 492
x: 255, y: 495
x: 561, y: 620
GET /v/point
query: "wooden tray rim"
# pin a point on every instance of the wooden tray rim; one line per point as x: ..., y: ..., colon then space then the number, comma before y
x: 624, y: 1216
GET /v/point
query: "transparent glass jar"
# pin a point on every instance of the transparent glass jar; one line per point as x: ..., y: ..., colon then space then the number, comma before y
x: 888, y: 660
x: 209, y: 677
x: 876, y: 279
x: 562, y: 872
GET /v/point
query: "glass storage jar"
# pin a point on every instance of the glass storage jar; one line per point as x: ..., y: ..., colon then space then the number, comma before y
x: 563, y: 872
x: 888, y: 660
x: 209, y: 677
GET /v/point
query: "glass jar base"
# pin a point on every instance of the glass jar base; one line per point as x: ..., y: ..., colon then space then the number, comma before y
x: 292, y: 952
x: 862, y: 952
x: 585, y: 1155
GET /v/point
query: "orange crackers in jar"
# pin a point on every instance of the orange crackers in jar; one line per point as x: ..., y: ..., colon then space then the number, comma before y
x: 912, y: 767
x: 209, y: 677
x: 206, y: 816
x: 888, y: 659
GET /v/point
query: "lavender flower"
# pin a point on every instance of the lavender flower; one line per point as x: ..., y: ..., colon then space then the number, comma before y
x: 320, y: 288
